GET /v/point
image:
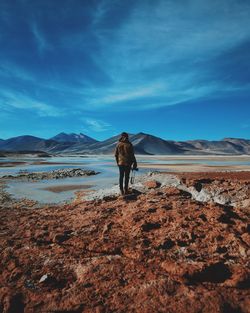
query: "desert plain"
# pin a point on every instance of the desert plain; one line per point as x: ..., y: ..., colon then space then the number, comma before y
x: 179, y: 242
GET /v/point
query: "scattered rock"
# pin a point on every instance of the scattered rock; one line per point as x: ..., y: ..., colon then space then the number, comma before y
x: 150, y: 226
x: 168, y: 244
x: 43, y: 278
x: 60, y: 238
x: 15, y: 304
x: 161, y: 252
x: 152, y: 184
x: 152, y: 210
x: 214, y: 273
x: 56, y: 174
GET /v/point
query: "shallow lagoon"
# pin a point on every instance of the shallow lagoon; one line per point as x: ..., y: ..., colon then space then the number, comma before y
x: 104, y: 164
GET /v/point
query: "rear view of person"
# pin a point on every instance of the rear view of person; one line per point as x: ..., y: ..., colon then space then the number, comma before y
x: 125, y: 159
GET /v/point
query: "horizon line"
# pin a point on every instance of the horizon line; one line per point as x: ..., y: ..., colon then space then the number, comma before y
x: 130, y: 134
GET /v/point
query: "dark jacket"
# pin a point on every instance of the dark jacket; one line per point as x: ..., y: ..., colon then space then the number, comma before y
x: 124, y: 154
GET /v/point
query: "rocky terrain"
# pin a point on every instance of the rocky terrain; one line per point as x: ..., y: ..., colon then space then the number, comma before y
x: 154, y: 250
x: 56, y: 174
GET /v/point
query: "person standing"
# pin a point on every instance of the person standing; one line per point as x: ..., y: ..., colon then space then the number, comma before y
x: 125, y: 159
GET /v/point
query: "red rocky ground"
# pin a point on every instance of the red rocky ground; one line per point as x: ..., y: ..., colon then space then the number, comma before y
x: 155, y: 252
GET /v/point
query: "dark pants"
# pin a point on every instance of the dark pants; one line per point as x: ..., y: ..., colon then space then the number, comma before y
x: 124, y: 176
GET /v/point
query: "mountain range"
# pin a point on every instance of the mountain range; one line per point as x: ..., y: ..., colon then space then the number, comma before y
x: 143, y: 144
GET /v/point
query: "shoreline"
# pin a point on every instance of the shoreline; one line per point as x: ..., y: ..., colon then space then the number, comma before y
x: 60, y: 187
x: 194, y: 167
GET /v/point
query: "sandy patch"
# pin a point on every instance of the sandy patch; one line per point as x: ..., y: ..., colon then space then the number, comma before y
x: 54, y: 163
x: 12, y: 164
x: 220, y: 158
x: 195, y: 167
x: 62, y: 188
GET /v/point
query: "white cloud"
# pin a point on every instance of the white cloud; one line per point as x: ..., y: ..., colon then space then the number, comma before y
x: 97, y: 125
x: 122, y: 94
x: 10, y: 101
x: 245, y: 125
x: 164, y: 31
x: 9, y: 70
x: 169, y: 43
x: 100, y: 12
x: 171, y: 92
x: 42, y: 43
x: 161, y: 52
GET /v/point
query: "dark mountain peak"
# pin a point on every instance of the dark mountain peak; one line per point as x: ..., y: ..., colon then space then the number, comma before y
x: 25, y: 137
x: 19, y: 143
x: 74, y: 138
x: 142, y: 134
x: 61, y: 134
x: 145, y: 136
x: 234, y: 139
x: 197, y: 140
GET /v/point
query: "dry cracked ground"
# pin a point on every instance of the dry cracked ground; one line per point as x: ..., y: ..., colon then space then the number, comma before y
x: 160, y: 251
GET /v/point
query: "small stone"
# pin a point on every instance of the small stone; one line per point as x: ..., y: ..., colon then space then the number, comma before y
x: 59, y: 238
x: 152, y: 210
x: 150, y: 226
x: 152, y: 184
x: 242, y: 251
x: 168, y: 244
x: 43, y: 278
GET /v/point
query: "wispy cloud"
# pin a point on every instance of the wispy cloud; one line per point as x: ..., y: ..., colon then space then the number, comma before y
x: 42, y: 43
x: 100, y: 12
x: 10, y: 101
x: 132, y: 94
x: 245, y: 125
x: 167, y: 43
x: 9, y: 70
x: 97, y: 125
x: 156, y: 54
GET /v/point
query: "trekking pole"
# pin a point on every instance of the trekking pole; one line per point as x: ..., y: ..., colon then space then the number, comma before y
x: 132, y: 178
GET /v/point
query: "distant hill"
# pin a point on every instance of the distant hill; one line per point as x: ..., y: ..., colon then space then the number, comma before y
x: 143, y: 144
x: 79, y: 138
x: 148, y: 144
x: 30, y: 143
x: 225, y: 146
x: 62, y: 142
x: 22, y: 143
x: 102, y: 147
x: 242, y: 145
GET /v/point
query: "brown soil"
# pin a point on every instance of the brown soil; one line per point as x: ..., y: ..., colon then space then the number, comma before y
x: 155, y: 252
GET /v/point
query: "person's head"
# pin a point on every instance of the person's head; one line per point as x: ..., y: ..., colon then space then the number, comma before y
x: 124, y: 137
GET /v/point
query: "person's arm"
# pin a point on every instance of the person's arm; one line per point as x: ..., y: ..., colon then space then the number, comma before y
x: 116, y: 154
x: 134, y: 164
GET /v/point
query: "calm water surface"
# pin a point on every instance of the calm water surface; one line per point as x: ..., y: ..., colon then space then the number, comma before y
x: 104, y: 164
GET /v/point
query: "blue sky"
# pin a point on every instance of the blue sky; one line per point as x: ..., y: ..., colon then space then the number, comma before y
x: 178, y: 69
